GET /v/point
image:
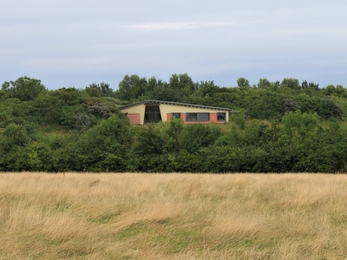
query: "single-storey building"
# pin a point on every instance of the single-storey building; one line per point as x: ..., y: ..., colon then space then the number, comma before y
x: 154, y: 111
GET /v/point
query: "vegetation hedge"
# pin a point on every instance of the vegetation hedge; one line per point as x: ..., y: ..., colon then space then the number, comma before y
x: 290, y: 127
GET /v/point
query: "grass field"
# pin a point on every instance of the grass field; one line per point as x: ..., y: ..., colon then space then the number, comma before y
x: 173, y: 216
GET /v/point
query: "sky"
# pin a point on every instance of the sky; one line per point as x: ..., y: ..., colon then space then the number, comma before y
x: 73, y: 43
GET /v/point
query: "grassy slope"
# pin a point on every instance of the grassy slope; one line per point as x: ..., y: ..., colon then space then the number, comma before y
x: 174, y: 216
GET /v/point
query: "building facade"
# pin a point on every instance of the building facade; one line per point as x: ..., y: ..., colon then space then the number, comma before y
x: 154, y: 111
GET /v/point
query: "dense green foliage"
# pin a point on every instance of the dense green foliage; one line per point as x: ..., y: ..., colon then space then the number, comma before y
x: 290, y: 127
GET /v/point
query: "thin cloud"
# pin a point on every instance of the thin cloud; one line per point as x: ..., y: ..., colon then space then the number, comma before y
x: 177, y: 26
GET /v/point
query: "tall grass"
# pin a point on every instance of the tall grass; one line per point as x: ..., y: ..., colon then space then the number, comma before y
x: 173, y: 216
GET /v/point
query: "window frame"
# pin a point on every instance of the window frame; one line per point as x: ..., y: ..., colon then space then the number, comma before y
x: 204, y: 120
x: 198, y: 115
x: 176, y: 114
x: 189, y: 118
x: 152, y: 114
x: 224, y: 115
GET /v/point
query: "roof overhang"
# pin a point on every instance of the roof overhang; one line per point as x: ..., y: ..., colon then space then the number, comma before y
x: 158, y: 102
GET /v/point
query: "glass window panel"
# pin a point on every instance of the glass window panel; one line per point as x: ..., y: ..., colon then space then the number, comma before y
x: 220, y: 116
x: 204, y: 116
x: 177, y: 115
x: 152, y: 114
x: 192, y: 116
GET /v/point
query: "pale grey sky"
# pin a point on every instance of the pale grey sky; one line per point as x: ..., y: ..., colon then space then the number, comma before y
x: 75, y: 43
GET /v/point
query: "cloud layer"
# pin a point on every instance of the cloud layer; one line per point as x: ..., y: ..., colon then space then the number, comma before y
x: 178, y: 26
x: 75, y: 43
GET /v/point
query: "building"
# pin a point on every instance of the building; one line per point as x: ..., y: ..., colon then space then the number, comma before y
x: 154, y: 111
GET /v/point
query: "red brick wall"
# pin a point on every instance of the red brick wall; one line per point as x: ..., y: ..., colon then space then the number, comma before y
x: 213, y: 117
x: 183, y: 116
x: 134, y: 118
x: 168, y: 118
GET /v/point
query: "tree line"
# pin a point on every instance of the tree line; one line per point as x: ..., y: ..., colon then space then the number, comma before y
x: 290, y: 127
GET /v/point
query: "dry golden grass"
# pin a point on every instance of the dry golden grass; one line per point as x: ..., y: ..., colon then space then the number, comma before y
x: 173, y: 216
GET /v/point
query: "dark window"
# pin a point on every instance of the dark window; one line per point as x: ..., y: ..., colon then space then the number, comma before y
x: 192, y: 116
x: 198, y: 117
x: 204, y: 116
x: 152, y: 114
x: 177, y: 115
x: 220, y: 116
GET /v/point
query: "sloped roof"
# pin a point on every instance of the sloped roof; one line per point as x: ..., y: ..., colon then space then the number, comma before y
x: 158, y: 102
